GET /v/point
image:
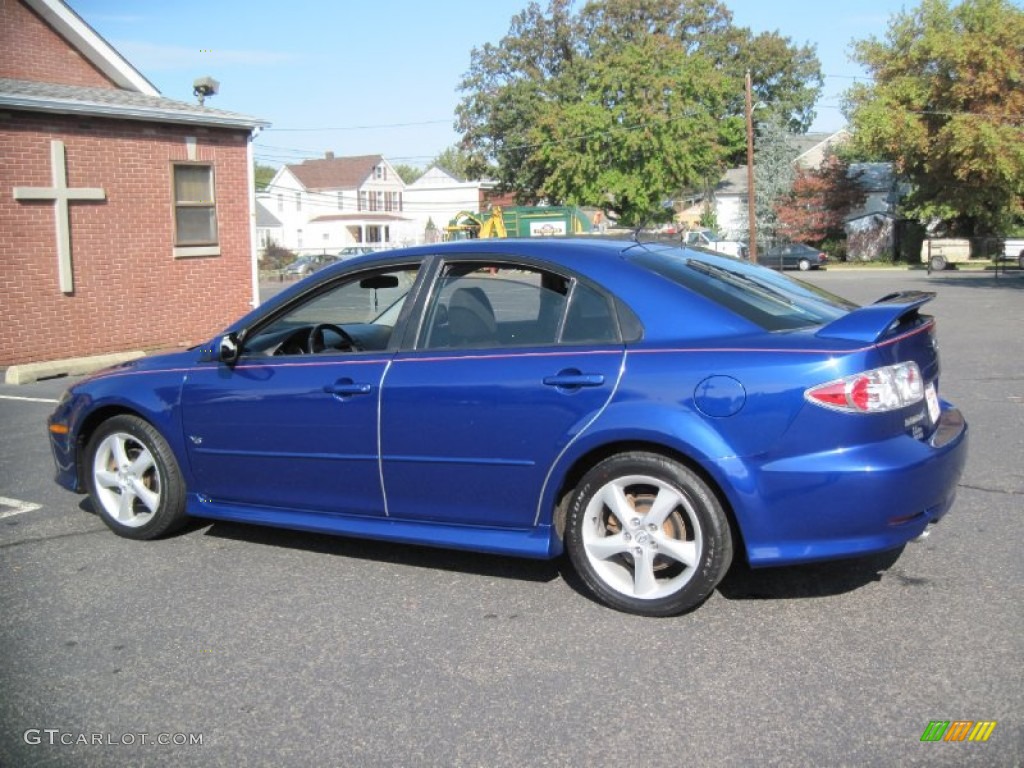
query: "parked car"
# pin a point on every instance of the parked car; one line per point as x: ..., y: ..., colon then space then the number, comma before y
x: 1013, y: 251
x: 305, y: 265
x: 655, y: 411
x: 792, y: 256
x: 706, y: 238
x: 352, y: 250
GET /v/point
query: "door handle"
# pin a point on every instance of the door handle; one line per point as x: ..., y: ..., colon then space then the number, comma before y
x: 346, y: 387
x: 573, y: 379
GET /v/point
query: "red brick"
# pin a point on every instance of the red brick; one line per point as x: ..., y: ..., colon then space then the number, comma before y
x: 130, y: 292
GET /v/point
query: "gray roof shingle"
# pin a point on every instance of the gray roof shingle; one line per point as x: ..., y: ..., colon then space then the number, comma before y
x: 264, y: 218
x: 115, y: 103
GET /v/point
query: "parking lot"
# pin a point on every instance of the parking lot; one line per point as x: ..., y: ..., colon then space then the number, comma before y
x: 251, y: 646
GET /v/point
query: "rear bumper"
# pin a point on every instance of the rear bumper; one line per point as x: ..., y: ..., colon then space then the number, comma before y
x: 852, y: 501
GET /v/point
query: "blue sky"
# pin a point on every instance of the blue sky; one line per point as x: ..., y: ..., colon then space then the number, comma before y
x: 381, y: 76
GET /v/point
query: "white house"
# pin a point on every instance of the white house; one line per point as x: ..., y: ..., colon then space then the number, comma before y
x: 268, y: 227
x: 329, y: 203
x: 438, y: 197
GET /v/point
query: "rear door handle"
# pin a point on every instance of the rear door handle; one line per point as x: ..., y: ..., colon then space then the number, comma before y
x: 574, y: 379
x: 347, y: 387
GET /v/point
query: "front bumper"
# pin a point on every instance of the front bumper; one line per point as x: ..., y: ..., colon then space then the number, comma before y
x: 64, y: 445
x: 852, y: 501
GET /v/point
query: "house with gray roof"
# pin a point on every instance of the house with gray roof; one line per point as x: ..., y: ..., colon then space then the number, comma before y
x: 268, y: 226
x: 730, y: 194
x: 128, y: 218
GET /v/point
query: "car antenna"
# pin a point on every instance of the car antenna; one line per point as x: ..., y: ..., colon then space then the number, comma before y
x: 638, y: 230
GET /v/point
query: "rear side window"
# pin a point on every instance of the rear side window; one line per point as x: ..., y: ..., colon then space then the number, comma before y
x: 490, y: 305
x: 764, y: 297
x: 590, y: 319
x: 495, y: 305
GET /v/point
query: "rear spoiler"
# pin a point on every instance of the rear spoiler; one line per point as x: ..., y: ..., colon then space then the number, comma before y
x: 870, y: 323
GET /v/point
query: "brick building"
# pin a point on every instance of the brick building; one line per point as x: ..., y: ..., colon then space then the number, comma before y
x: 126, y: 219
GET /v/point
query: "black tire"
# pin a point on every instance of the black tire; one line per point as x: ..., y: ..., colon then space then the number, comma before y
x: 804, y: 265
x: 1020, y: 260
x: 642, y: 505
x: 938, y: 263
x: 133, y: 479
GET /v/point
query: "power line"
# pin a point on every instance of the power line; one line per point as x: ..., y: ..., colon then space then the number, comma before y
x: 288, y: 155
x: 362, y: 127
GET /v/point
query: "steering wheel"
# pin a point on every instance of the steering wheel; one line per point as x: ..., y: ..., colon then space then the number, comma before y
x: 315, y: 343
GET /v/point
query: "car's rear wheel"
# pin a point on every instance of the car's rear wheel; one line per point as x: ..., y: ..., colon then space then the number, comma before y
x: 647, y: 535
x: 938, y: 263
x: 804, y: 265
x: 133, y: 479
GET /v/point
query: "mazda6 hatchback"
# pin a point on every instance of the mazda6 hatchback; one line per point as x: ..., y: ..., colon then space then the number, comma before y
x: 651, y: 411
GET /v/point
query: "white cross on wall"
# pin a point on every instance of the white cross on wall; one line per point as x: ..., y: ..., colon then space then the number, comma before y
x: 62, y: 195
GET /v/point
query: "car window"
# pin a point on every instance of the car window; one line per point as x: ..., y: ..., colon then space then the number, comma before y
x: 496, y: 305
x: 591, y: 317
x: 489, y: 305
x: 357, y: 314
x: 766, y: 298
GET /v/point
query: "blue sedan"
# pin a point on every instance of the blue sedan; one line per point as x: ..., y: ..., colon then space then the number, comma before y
x: 651, y: 411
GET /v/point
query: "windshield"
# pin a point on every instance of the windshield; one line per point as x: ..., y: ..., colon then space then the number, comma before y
x: 772, y: 301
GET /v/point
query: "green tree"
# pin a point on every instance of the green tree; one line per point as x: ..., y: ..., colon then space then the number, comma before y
x: 408, y: 173
x: 947, y: 108
x: 623, y: 103
x: 774, y: 175
x: 456, y: 162
x: 634, y: 136
x: 262, y: 175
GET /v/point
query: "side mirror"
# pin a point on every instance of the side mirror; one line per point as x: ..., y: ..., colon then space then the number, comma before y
x: 223, y: 349
x: 227, y: 349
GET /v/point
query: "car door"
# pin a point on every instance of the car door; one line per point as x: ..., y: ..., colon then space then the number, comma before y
x: 293, y: 424
x: 512, y: 362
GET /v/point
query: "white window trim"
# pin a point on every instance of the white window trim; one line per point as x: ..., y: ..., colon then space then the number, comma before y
x: 188, y: 251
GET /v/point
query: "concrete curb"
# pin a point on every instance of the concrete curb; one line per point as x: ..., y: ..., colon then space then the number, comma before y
x: 26, y: 373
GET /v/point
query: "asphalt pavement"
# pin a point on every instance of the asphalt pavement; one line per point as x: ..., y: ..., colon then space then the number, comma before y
x: 251, y: 646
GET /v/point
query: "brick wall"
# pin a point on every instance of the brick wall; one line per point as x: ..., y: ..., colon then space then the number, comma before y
x: 130, y: 291
x: 31, y: 50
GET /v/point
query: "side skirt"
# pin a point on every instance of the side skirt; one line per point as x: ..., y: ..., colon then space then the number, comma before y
x: 539, y: 542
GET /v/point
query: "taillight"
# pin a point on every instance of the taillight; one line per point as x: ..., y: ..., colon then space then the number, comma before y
x: 875, y: 391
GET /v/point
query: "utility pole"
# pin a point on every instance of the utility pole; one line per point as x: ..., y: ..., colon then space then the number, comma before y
x: 751, y: 201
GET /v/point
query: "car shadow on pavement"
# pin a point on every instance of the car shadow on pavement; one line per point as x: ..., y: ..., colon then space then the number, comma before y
x: 784, y: 583
x: 741, y: 582
x: 480, y: 564
x: 825, y: 579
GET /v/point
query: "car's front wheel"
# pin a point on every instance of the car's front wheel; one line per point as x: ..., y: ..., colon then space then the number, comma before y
x: 133, y: 479
x: 647, y: 535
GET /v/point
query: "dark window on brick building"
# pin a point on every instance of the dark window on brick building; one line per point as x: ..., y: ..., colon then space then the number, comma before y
x: 195, y: 209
